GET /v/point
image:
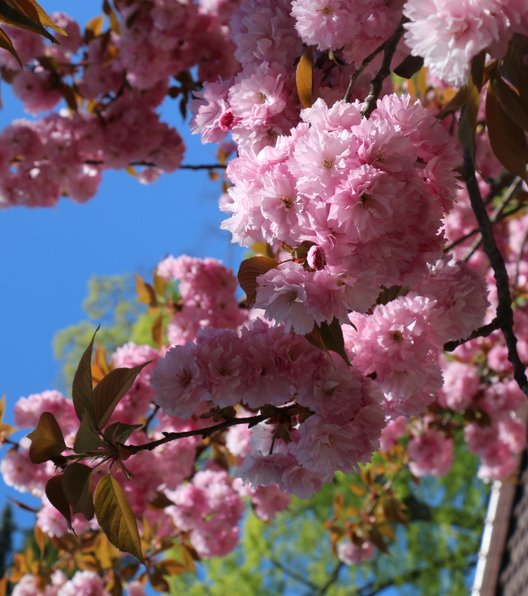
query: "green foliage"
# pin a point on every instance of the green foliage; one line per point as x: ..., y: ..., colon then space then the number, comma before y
x: 432, y: 555
x: 110, y: 303
x: 7, y: 529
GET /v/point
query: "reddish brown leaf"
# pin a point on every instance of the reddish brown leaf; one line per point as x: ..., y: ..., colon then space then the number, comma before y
x: 248, y: 272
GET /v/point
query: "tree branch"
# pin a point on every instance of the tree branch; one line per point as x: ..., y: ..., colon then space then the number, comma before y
x: 294, y: 575
x: 483, y: 331
x: 204, y: 166
x: 384, y: 71
x: 199, y: 432
x: 150, y: 164
x: 504, y: 307
x: 331, y: 580
x: 357, y: 73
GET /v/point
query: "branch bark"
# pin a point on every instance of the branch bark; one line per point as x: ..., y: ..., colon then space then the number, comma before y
x: 504, y: 307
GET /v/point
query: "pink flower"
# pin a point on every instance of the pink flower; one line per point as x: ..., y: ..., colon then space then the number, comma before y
x: 449, y: 33
x: 392, y: 432
x: 431, y: 453
x: 351, y: 554
x: 394, y: 344
x: 460, y: 297
x: 328, y: 24
x: 178, y: 382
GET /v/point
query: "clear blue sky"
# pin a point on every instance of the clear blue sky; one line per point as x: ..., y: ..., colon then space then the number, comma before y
x: 48, y: 255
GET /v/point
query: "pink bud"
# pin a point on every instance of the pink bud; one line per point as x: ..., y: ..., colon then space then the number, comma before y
x: 316, y: 258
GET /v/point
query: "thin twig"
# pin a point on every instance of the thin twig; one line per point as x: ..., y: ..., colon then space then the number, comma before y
x: 519, y: 258
x: 504, y: 307
x: 509, y: 194
x: 498, y: 214
x: 357, y: 73
x: 331, y: 580
x: 199, y: 432
x: 384, y: 71
x: 206, y: 166
x: 483, y: 331
x: 150, y: 164
x: 294, y: 575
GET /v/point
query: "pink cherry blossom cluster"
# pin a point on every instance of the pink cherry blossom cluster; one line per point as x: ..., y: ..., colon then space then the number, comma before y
x: 449, y: 33
x: 209, y: 508
x: 208, y: 297
x: 263, y: 365
x: 118, y: 78
x: 337, y: 25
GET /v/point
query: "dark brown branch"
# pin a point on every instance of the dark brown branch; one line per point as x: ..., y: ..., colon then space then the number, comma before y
x: 331, y: 580
x: 150, y: 164
x: 294, y: 575
x: 357, y: 73
x: 519, y: 259
x: 504, y: 307
x: 495, y: 217
x: 384, y: 71
x: 206, y: 166
x: 483, y: 331
x: 199, y: 432
x: 499, y: 214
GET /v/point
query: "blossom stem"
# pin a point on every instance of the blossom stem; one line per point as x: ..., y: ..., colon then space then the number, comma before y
x: 199, y: 432
x: 384, y: 71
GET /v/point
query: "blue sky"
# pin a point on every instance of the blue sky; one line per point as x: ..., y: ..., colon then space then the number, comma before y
x: 48, y: 254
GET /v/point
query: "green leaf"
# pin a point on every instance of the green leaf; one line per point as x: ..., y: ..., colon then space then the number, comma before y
x: 118, y: 432
x: 409, y: 66
x: 82, y: 383
x: 304, y: 79
x: 87, y: 438
x: 111, y: 389
x: 77, y: 487
x: 57, y: 498
x: 116, y: 518
x: 47, y: 440
x: 507, y: 138
x: 248, y: 272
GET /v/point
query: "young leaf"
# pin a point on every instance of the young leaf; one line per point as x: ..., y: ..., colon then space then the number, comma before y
x: 304, y: 79
x: 332, y: 335
x: 111, y: 389
x: 34, y: 11
x: 27, y: 14
x: 145, y: 292
x: 57, y: 498
x: 7, y: 44
x: 248, y: 272
x: 468, y: 119
x: 409, y: 66
x: 506, y: 137
x: 87, y: 439
x: 118, y: 432
x: 157, y: 331
x: 47, y: 440
x: 116, y: 518
x: 77, y: 487
x: 82, y: 383
x: 510, y: 102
